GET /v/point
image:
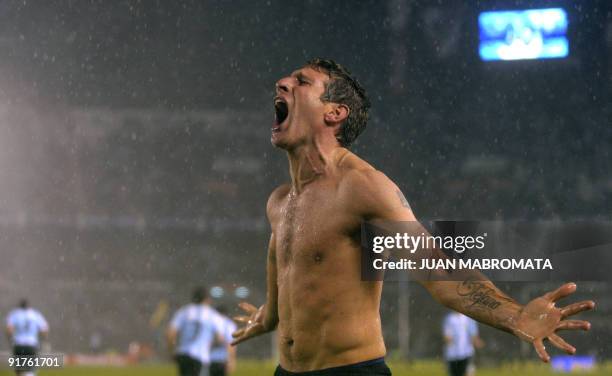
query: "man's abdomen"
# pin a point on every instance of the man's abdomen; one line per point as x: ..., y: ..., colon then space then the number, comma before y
x: 327, y: 319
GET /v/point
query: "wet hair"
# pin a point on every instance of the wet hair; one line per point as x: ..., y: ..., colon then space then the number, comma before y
x: 344, y: 89
x: 199, y: 294
x: 23, y: 303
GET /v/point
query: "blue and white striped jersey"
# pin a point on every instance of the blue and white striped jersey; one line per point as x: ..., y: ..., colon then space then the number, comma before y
x: 197, y: 326
x: 27, y: 323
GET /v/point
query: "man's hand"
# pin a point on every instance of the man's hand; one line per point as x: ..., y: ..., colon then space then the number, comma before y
x: 540, y: 320
x: 254, y: 323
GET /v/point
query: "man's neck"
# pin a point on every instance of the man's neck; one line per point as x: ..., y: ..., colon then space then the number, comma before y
x: 312, y: 161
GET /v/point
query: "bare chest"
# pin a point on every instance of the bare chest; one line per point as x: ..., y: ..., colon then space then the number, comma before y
x: 310, y: 226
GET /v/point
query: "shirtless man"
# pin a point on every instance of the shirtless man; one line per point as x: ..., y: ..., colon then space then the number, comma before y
x: 327, y: 317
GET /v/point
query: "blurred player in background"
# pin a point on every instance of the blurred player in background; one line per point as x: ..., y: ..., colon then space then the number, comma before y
x: 460, y: 339
x: 223, y: 357
x: 25, y: 327
x: 192, y: 332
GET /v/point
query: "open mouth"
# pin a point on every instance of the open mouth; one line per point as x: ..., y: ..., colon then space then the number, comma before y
x: 281, y: 111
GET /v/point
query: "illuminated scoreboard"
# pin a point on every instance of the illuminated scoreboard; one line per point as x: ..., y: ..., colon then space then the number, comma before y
x: 523, y: 34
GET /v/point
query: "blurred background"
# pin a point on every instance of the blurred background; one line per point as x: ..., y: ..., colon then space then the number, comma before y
x: 135, y: 159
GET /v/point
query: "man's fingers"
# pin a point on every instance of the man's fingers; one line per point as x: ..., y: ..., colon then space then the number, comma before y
x: 574, y: 325
x: 247, y: 307
x: 245, y: 333
x: 575, y: 308
x: 238, y: 333
x: 238, y: 340
x: 560, y: 343
x: 562, y: 292
x: 541, y: 350
x: 242, y: 319
x: 251, y: 328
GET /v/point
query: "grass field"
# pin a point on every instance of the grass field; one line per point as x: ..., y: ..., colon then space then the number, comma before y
x: 258, y: 368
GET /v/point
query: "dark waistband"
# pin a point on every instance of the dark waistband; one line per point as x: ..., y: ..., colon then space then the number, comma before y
x: 347, y: 367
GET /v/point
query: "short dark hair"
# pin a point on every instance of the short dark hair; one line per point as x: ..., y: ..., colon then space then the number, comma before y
x: 343, y: 88
x: 199, y: 294
x: 23, y: 303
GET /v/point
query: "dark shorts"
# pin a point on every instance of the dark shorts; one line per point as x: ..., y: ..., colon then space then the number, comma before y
x: 375, y: 367
x: 187, y: 365
x: 217, y: 369
x: 28, y: 351
x: 458, y: 367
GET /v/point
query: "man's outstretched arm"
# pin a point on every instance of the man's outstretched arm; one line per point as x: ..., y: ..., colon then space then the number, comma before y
x: 534, y: 322
x: 478, y: 297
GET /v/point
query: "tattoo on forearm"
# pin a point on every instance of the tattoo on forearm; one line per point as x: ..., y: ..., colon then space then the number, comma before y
x: 403, y: 199
x: 478, y: 295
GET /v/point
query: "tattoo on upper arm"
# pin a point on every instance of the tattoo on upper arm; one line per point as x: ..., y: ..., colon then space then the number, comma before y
x: 403, y: 199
